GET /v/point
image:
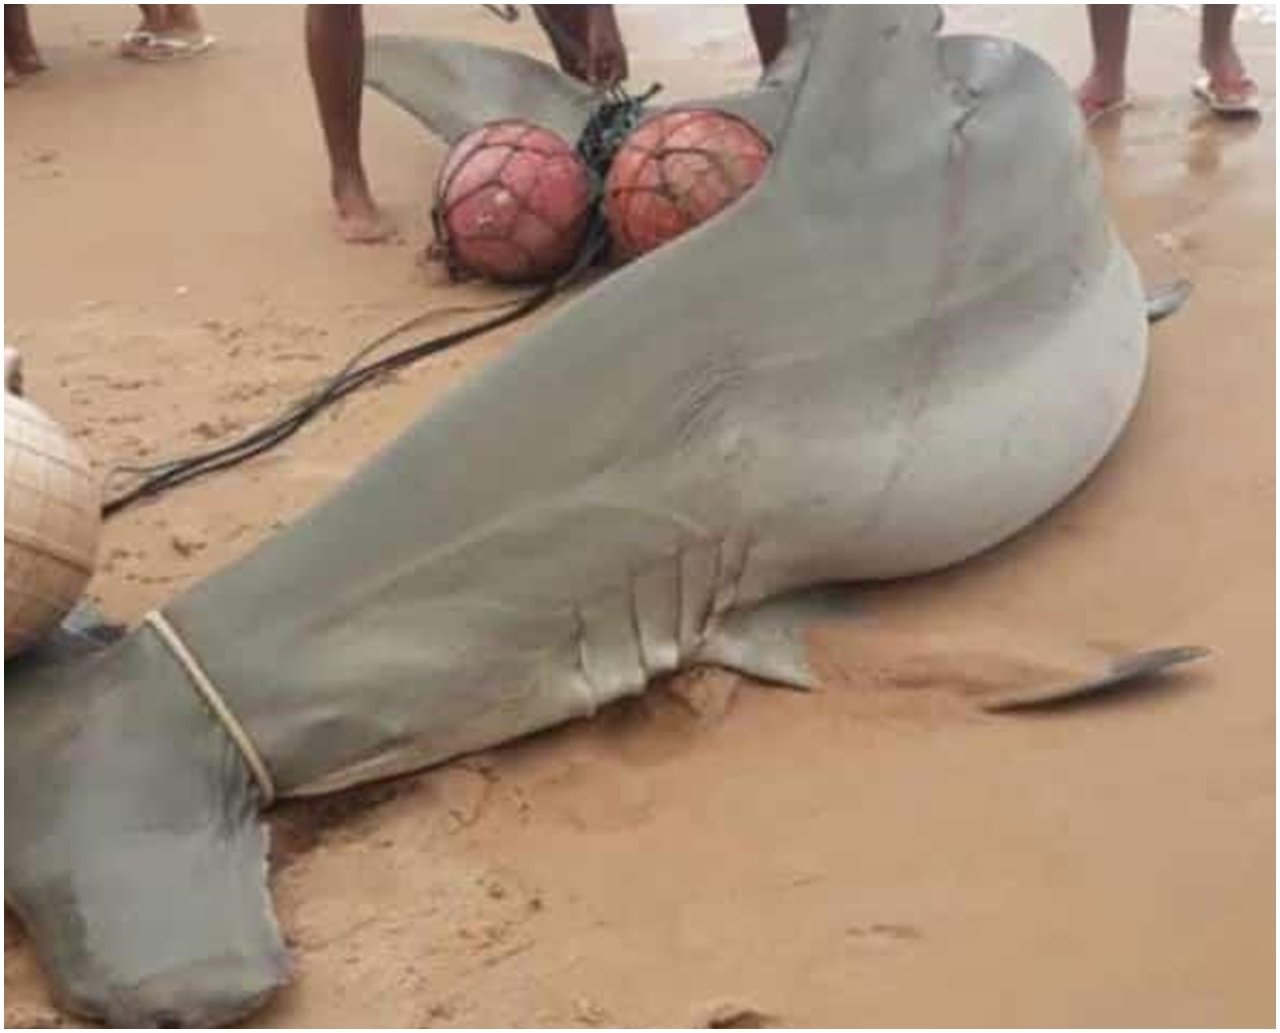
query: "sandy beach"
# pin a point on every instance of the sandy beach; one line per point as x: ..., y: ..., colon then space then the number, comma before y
x: 878, y: 853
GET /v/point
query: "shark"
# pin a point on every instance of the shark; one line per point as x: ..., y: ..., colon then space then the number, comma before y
x: 917, y: 335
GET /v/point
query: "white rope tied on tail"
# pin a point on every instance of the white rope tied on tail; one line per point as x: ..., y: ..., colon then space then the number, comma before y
x: 204, y: 685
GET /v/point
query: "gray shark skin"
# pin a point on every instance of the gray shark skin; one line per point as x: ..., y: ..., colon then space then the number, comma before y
x: 917, y: 335
x: 452, y: 86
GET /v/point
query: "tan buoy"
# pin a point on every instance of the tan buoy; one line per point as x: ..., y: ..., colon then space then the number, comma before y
x: 52, y: 519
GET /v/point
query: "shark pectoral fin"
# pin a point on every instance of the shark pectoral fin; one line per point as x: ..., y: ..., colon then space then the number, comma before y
x: 1120, y: 673
x: 770, y: 641
x: 453, y: 87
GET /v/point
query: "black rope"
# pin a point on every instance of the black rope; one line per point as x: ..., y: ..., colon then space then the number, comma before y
x: 617, y: 113
x: 353, y: 376
x: 615, y: 116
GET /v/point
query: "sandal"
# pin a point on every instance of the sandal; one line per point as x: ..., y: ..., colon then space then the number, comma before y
x: 134, y: 42
x: 1232, y: 98
x: 154, y: 47
x: 1093, y: 110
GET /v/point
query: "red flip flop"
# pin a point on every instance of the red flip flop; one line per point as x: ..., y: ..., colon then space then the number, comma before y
x: 1096, y: 109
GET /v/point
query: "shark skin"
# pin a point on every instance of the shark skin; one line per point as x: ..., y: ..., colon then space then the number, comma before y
x: 916, y: 336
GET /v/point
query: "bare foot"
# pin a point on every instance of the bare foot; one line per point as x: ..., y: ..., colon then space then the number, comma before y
x: 1223, y: 64
x: 1099, y: 94
x: 10, y: 76
x: 182, y: 20
x: 360, y: 220
x: 21, y: 55
x: 1227, y: 88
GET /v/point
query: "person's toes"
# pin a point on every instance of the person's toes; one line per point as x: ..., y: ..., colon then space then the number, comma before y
x: 10, y: 76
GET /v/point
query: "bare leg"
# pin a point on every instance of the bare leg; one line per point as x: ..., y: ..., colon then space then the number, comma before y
x: 20, y: 54
x: 335, y: 57
x: 12, y: 13
x: 183, y: 21
x: 769, y: 29
x: 154, y: 18
x: 1105, y: 84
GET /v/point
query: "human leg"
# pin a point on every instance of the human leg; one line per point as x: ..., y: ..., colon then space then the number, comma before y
x: 335, y: 59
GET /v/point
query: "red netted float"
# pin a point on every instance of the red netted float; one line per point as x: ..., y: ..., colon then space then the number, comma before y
x: 677, y: 170
x: 512, y: 204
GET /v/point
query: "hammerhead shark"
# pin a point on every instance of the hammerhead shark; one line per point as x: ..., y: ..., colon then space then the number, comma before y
x: 914, y: 337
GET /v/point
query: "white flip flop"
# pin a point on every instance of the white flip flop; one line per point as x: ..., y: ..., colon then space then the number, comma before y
x: 170, y: 48
x: 1245, y: 102
x: 134, y: 41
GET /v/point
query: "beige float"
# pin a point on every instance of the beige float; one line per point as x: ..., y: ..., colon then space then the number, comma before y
x: 52, y: 519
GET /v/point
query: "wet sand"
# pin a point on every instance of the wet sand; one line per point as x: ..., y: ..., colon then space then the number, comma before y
x: 878, y: 853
